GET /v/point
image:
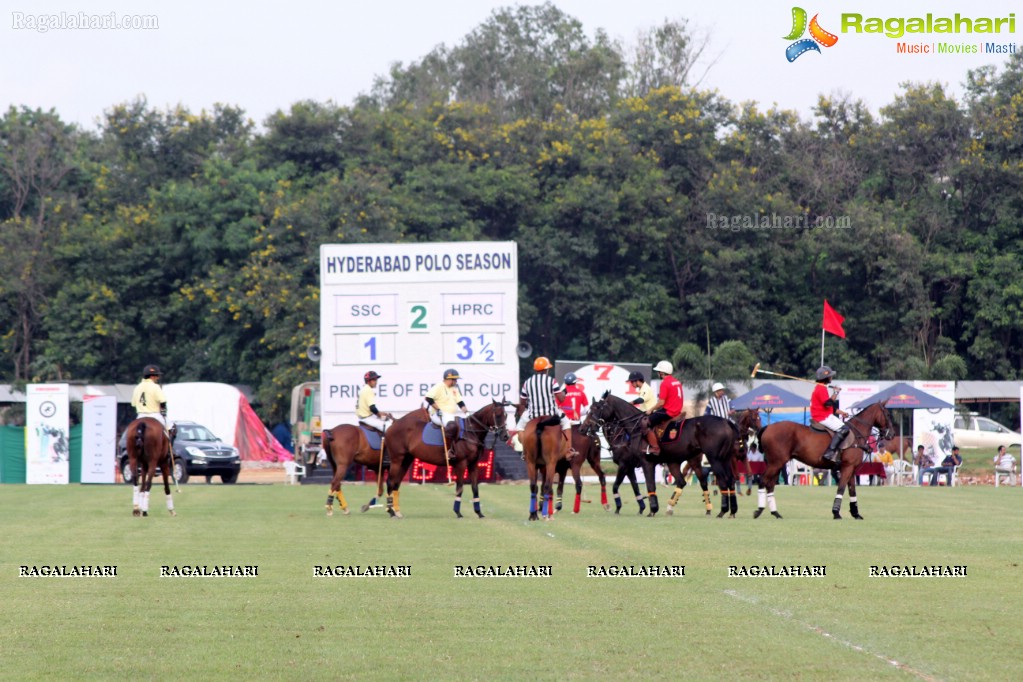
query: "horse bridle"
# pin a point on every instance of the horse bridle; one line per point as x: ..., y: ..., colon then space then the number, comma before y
x: 888, y: 432
x: 495, y: 428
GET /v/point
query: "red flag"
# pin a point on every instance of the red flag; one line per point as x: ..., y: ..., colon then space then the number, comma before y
x: 833, y: 321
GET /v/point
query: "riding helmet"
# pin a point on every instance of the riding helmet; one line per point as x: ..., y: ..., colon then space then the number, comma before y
x: 717, y: 387
x: 541, y: 364
x: 150, y: 371
x: 451, y: 374
x: 570, y: 379
x: 824, y: 372
x: 370, y: 376
x: 664, y: 366
x: 636, y: 376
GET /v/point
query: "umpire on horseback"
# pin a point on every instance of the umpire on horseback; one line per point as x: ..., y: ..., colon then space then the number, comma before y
x: 541, y: 396
x: 148, y: 398
x: 824, y: 410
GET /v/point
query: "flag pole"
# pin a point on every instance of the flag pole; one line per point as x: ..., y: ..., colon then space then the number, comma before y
x: 822, y: 347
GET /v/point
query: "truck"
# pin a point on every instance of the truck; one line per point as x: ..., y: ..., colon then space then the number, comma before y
x: 306, y: 425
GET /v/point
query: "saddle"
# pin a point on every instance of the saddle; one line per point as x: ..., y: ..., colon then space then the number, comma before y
x: 373, y: 435
x: 432, y: 436
x: 669, y: 431
x: 847, y: 442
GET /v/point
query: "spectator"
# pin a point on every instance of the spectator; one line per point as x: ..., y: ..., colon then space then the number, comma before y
x: 282, y: 432
x: 1005, y: 464
x: 948, y: 465
x: 924, y: 464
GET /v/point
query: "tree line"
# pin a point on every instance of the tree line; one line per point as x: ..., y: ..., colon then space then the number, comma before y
x: 646, y: 211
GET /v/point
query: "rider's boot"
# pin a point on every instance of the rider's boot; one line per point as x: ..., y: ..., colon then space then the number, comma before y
x: 572, y: 452
x: 832, y: 454
x: 451, y: 435
x: 653, y: 447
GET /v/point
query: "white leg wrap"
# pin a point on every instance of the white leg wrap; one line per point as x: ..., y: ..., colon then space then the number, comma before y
x: 145, y: 501
x: 852, y: 500
x: 170, y: 503
x: 762, y: 498
x: 135, y: 496
x: 771, y: 504
x: 838, y: 497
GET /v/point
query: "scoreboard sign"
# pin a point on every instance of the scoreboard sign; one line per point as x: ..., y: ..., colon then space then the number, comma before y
x: 410, y: 311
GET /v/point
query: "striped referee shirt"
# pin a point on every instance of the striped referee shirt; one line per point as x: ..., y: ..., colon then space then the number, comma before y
x: 539, y: 390
x: 720, y: 407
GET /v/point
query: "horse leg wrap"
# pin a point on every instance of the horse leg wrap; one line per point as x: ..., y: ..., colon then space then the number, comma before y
x: 557, y: 503
x: 458, y: 504
x: 550, y: 505
x: 578, y: 502
x: 837, y: 506
x: 603, y: 495
x: 397, y: 504
x: 476, y: 506
x: 706, y: 500
x: 675, y: 497
x: 618, y: 502
x: 342, y: 502
x: 771, y: 504
x: 145, y: 501
x: 170, y: 504
x: 761, y: 497
x: 135, y: 497
x: 330, y: 502
x: 532, y: 503
x: 733, y: 503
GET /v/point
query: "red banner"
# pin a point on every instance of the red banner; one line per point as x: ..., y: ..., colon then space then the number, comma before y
x: 833, y: 321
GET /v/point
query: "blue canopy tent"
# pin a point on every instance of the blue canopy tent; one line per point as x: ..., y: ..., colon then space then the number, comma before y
x: 902, y: 396
x: 768, y: 397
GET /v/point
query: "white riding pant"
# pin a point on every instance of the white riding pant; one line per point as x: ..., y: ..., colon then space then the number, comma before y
x: 833, y: 422
x: 566, y: 423
x: 374, y: 421
x: 153, y: 415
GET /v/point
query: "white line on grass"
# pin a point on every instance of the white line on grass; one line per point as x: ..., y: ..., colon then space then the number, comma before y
x: 827, y: 635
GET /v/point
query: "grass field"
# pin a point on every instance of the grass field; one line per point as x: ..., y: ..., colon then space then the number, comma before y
x: 286, y: 624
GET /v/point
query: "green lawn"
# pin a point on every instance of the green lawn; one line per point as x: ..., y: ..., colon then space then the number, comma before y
x: 286, y: 624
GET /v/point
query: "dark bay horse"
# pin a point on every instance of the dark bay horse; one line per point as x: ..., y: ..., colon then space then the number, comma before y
x: 543, y: 447
x: 149, y: 447
x: 587, y: 450
x: 344, y: 445
x: 748, y: 424
x: 627, y: 456
x: 404, y: 443
x: 711, y: 435
x: 783, y: 441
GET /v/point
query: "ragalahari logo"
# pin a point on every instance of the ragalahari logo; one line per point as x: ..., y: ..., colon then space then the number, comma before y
x: 817, y: 35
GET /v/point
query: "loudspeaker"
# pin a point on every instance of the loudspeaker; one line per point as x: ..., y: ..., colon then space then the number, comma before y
x: 313, y: 353
x: 523, y: 350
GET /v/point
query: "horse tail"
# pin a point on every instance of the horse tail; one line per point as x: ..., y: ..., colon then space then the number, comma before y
x: 140, y: 437
x: 326, y: 439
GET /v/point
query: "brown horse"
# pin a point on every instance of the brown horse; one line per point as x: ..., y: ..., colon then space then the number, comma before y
x: 783, y: 441
x: 543, y: 447
x: 149, y: 447
x: 587, y: 450
x: 344, y: 445
x: 404, y: 444
x: 748, y: 424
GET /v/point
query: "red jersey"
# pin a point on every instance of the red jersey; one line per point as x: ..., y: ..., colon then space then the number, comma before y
x: 671, y: 394
x: 818, y: 410
x: 575, y: 401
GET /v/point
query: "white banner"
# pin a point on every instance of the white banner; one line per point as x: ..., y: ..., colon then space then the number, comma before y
x: 47, y: 441
x: 854, y: 393
x: 933, y: 428
x: 99, y: 438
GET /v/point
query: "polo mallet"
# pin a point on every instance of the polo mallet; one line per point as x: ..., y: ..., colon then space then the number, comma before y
x: 444, y: 440
x: 757, y: 370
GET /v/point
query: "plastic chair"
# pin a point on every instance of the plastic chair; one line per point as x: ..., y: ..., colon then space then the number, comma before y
x: 293, y: 472
x: 902, y: 471
x: 1009, y: 476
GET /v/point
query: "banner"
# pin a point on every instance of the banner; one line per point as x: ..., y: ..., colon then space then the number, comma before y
x: 933, y: 428
x: 832, y: 322
x: 47, y: 445
x: 99, y: 438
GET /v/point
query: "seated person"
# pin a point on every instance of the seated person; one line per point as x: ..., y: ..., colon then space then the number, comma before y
x: 1005, y: 464
x: 924, y: 464
x: 948, y: 465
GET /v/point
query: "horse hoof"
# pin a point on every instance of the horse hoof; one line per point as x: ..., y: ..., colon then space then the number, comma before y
x: 838, y: 517
x: 136, y: 512
x: 346, y: 511
x: 857, y: 517
x: 618, y: 512
x: 758, y: 512
x: 534, y: 517
x: 607, y: 507
x: 670, y: 511
x: 480, y: 514
x: 651, y: 514
x: 721, y: 515
x: 145, y: 513
x: 172, y: 512
x: 458, y: 515
x: 364, y: 508
x: 708, y: 512
x: 731, y: 516
x: 330, y: 511
x: 776, y: 515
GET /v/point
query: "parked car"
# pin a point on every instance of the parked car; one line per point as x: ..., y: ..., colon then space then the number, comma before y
x: 972, y: 431
x: 197, y: 452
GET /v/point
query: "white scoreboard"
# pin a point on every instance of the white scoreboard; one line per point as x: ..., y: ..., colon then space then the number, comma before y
x: 410, y: 311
